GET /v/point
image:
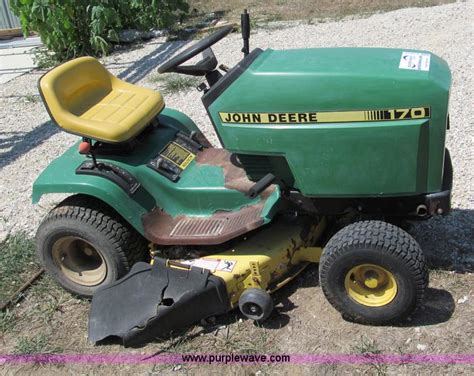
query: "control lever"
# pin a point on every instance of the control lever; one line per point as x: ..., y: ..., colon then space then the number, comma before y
x: 167, y: 169
x: 264, y: 183
x: 86, y: 147
x: 245, y: 26
x: 190, y: 140
x: 261, y: 185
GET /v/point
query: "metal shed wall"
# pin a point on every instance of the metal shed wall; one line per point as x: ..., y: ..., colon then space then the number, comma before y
x: 7, y: 19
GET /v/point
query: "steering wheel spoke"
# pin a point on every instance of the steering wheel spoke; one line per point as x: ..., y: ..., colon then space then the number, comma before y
x: 203, y: 67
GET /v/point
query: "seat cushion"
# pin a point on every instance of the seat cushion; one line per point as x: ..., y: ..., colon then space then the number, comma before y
x: 85, y: 99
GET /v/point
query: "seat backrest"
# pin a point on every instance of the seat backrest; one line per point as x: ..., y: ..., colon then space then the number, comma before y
x: 74, y: 86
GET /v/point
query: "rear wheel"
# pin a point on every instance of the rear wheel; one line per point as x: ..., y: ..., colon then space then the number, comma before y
x: 373, y: 273
x: 84, y: 244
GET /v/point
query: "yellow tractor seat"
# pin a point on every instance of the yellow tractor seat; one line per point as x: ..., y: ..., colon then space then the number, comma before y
x: 84, y: 98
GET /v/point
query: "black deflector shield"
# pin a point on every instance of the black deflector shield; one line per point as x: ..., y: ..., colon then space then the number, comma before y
x: 152, y: 300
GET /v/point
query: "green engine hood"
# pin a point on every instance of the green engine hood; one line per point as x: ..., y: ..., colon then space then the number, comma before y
x: 336, y: 79
x: 341, y: 158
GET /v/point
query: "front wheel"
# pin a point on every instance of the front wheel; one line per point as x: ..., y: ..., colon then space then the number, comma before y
x: 84, y: 244
x: 373, y: 273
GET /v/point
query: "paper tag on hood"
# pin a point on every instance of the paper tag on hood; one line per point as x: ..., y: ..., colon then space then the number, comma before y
x: 415, y: 61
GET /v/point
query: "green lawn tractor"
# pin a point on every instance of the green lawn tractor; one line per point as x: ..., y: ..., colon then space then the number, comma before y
x: 164, y: 230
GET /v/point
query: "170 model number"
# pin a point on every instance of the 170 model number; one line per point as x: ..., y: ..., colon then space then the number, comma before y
x: 409, y: 113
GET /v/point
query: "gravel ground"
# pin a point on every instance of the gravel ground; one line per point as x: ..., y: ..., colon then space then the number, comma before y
x: 28, y: 141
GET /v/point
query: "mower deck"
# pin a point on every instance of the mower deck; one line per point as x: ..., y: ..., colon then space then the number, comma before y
x: 153, y: 300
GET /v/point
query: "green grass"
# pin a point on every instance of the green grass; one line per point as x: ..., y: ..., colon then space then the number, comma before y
x: 7, y: 321
x: 174, y: 83
x: 235, y: 337
x: 367, y: 346
x: 370, y: 347
x: 231, y: 338
x: 260, y: 342
x: 50, y: 299
x: 35, y: 345
x: 32, y: 98
x: 17, y: 263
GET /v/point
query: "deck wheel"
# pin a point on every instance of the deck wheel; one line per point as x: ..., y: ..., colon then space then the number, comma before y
x: 256, y: 304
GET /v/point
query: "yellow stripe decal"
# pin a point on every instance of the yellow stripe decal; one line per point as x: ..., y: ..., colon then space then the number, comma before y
x: 324, y: 117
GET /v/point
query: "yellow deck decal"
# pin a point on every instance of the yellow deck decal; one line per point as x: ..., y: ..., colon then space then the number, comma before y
x: 177, y: 155
x: 324, y: 117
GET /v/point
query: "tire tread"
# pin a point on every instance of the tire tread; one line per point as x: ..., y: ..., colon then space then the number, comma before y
x: 130, y: 245
x: 387, y: 238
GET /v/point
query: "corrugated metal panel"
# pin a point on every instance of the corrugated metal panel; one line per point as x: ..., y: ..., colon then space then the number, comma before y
x: 7, y: 19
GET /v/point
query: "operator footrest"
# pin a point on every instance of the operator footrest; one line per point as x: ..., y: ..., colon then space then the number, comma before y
x: 162, y: 228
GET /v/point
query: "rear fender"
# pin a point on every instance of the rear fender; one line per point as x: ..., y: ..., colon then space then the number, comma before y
x: 190, y: 196
x: 60, y: 177
x: 57, y: 178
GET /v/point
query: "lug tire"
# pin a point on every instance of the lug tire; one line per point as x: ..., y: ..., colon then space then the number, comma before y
x: 388, y: 250
x: 111, y: 245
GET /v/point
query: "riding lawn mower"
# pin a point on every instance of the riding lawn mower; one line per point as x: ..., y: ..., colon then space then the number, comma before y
x: 163, y: 230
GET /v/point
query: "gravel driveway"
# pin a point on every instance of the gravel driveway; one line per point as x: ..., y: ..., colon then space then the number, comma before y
x: 28, y: 141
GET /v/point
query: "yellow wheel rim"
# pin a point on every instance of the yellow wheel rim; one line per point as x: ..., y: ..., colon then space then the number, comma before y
x: 79, y: 261
x: 371, y: 285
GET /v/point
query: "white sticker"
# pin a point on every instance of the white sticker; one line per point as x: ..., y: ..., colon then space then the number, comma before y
x: 415, y: 61
x: 211, y: 264
x: 226, y: 265
x: 202, y: 263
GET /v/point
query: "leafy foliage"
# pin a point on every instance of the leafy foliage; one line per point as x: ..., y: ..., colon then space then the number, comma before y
x: 71, y: 28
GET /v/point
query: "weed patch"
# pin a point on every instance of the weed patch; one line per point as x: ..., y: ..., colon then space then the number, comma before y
x: 17, y: 263
x: 370, y: 349
x: 173, y: 83
x: 35, y: 345
x: 7, y: 321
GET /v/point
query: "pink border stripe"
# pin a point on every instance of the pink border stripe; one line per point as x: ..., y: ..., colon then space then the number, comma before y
x: 295, y: 359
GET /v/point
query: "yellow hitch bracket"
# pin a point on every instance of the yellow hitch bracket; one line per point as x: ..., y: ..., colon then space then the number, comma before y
x: 255, y: 276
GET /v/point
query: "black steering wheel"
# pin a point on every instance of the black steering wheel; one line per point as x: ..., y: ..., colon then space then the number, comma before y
x: 206, y: 65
